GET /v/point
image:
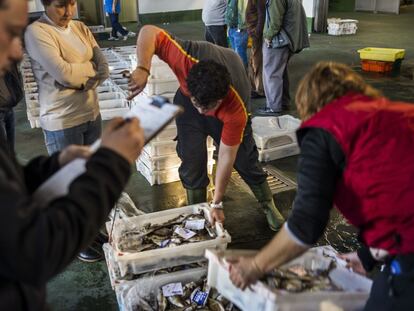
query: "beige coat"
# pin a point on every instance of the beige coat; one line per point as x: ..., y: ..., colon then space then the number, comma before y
x: 67, y: 79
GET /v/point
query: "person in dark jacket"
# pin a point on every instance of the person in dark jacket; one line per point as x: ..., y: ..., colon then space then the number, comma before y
x: 37, y: 241
x: 11, y: 93
x: 285, y: 33
x: 357, y: 154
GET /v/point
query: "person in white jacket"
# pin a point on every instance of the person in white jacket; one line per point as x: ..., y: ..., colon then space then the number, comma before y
x: 68, y: 67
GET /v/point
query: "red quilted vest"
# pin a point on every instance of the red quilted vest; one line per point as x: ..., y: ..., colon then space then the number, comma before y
x: 376, y: 191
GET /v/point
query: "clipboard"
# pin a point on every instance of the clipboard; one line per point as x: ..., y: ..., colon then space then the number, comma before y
x: 154, y: 116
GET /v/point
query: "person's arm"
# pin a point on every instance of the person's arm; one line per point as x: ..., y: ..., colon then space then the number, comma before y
x: 114, y: 3
x: 100, y: 61
x: 276, y: 13
x: 146, y: 45
x: 41, y: 241
x: 226, y: 157
x: 320, y: 167
x: 44, y: 50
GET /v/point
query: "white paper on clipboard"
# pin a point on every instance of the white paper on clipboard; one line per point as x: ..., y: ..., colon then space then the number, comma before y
x: 154, y: 115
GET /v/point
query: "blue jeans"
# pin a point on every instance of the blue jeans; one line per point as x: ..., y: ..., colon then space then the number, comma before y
x: 7, y: 127
x: 84, y: 134
x: 116, y: 25
x: 238, y: 42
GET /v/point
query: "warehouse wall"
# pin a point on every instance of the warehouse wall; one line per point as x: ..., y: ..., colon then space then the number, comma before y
x: 310, y: 12
x: 151, y: 6
x: 129, y: 10
x: 342, y: 5
x: 89, y: 11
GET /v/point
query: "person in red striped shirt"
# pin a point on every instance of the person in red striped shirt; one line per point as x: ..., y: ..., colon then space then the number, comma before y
x: 214, y: 92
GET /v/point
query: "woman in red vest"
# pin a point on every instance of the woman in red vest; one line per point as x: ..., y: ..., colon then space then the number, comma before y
x: 357, y: 153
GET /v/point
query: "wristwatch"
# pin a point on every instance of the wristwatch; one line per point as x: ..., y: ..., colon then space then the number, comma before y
x: 217, y: 205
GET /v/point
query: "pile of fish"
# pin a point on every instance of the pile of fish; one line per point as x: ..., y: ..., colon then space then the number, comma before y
x: 195, y: 296
x: 183, y: 229
x: 297, y: 279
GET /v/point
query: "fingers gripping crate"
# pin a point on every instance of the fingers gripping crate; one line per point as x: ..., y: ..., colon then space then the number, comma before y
x: 150, y: 260
x: 260, y: 297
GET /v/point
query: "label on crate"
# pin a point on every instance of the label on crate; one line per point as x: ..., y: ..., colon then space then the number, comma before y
x: 197, y: 224
x: 199, y: 297
x: 172, y: 289
x: 184, y: 233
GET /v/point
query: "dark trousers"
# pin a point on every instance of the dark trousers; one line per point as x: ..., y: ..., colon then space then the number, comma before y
x: 393, y: 292
x: 217, y: 35
x: 116, y: 25
x: 7, y: 127
x: 192, y: 131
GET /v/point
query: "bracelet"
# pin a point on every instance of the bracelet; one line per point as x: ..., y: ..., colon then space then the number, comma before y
x: 217, y: 205
x: 144, y: 69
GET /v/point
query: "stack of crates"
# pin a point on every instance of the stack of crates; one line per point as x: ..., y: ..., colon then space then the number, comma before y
x: 31, y: 92
x: 381, y: 59
x: 133, y: 274
x: 159, y: 161
x: 275, y: 137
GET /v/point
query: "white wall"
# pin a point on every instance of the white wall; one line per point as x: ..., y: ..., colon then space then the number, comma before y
x: 157, y: 6
x: 309, y: 7
x: 35, y: 6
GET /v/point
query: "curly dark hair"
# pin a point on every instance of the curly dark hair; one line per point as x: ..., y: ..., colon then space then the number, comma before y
x: 208, y: 81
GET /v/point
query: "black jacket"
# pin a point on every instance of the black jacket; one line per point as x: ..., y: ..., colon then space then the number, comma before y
x: 38, y: 243
x: 11, y: 89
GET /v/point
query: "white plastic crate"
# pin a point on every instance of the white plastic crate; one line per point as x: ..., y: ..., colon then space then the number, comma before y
x: 266, y: 155
x: 259, y: 297
x: 165, y: 147
x: 160, y: 148
x: 113, y: 268
x: 110, y: 95
x: 128, y: 292
x: 113, y: 103
x: 161, y: 86
x: 168, y: 133
x: 108, y: 114
x: 165, y: 162
x: 158, y: 177
x: 338, y: 27
x: 271, y: 132
x: 136, y: 263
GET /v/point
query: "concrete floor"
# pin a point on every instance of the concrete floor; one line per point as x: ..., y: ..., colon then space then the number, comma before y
x: 86, y: 286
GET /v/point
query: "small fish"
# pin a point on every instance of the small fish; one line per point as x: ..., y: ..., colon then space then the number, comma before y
x: 161, y: 301
x: 176, y: 301
x: 214, y: 305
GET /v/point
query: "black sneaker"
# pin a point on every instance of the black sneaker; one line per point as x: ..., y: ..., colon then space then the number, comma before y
x: 90, y: 255
x: 268, y: 112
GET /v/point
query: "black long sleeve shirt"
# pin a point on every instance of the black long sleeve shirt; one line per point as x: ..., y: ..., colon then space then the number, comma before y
x: 321, y: 163
x: 39, y: 242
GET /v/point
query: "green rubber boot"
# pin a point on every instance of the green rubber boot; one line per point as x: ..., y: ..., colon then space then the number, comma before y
x: 195, y: 196
x: 264, y: 195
